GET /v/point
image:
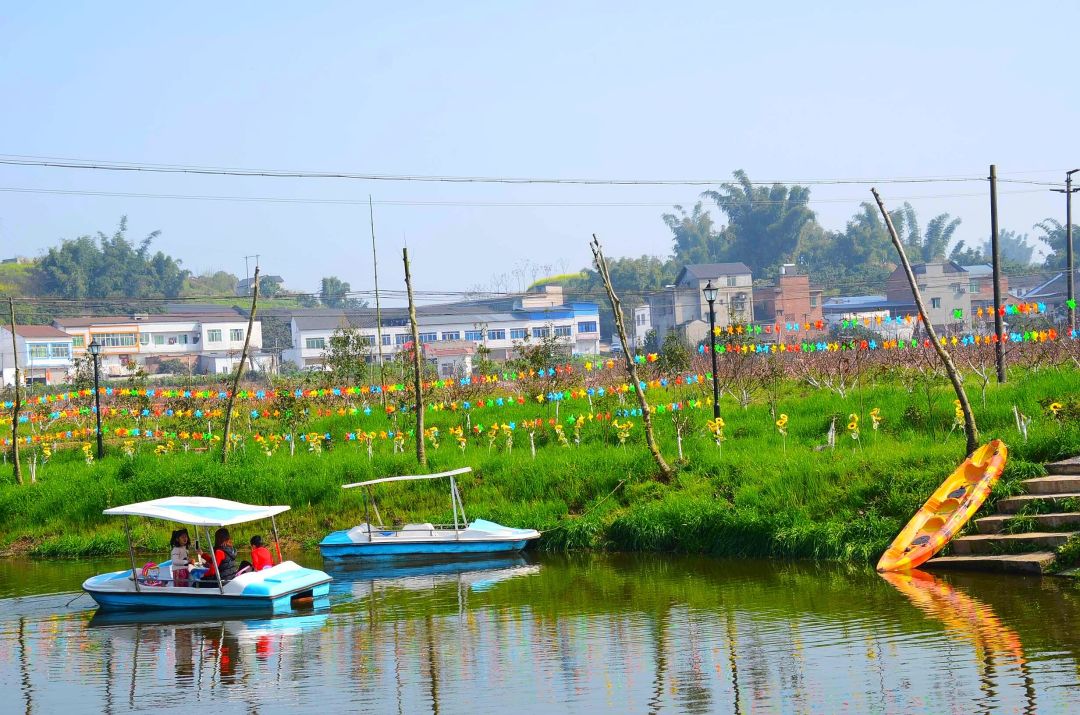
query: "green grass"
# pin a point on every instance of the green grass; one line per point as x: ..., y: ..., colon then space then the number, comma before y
x: 758, y: 497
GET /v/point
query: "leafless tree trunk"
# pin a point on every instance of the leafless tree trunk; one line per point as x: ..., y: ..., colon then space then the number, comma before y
x: 227, y: 437
x: 18, y: 398
x: 970, y: 429
x: 650, y: 438
x: 418, y: 379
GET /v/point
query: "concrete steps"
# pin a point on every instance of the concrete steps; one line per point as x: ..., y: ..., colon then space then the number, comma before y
x: 1052, y: 503
x: 1060, y: 521
x: 1065, y: 466
x: 1004, y: 544
x: 1030, y: 552
x: 1032, y: 563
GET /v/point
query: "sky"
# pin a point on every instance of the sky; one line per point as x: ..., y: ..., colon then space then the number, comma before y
x: 693, y: 90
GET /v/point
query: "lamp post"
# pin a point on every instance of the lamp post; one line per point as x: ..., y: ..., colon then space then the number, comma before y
x: 1069, y: 278
x: 95, y: 349
x: 710, y: 298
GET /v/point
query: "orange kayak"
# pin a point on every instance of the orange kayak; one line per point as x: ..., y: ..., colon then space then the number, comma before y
x: 948, y: 509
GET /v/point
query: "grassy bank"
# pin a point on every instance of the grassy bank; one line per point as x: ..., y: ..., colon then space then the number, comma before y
x: 760, y: 495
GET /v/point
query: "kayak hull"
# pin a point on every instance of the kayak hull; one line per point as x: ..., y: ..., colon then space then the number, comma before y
x: 947, y: 510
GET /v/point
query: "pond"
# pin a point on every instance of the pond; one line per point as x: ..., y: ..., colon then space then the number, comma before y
x: 589, y: 633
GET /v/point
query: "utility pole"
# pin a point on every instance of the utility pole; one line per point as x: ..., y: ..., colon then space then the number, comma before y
x: 18, y: 397
x: 378, y: 309
x: 995, y: 249
x: 420, y: 456
x: 225, y: 439
x: 1069, y: 270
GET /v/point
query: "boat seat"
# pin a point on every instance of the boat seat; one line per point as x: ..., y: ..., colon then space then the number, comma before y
x: 426, y: 526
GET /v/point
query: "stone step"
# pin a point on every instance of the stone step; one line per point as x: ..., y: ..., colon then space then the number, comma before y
x: 1053, y: 484
x: 1068, y: 520
x: 1065, y: 466
x: 1033, y: 563
x: 1008, y: 543
x: 1011, y: 505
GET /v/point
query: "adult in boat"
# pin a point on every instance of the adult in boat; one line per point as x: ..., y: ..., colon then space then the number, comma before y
x: 225, y: 556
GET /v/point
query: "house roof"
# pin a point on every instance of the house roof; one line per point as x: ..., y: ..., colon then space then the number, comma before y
x: 1053, y: 287
x: 39, y: 331
x: 704, y: 271
x: 195, y: 317
x: 981, y: 269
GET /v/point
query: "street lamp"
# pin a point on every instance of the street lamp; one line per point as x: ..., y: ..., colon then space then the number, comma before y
x: 1069, y: 279
x: 710, y: 298
x: 95, y: 349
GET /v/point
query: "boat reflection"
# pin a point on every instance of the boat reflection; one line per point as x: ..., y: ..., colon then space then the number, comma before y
x: 997, y: 647
x: 363, y: 580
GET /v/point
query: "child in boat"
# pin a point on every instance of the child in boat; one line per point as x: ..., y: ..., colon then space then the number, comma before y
x: 260, y: 555
x: 180, y: 560
x: 225, y: 556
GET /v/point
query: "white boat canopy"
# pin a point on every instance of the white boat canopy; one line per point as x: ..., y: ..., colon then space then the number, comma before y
x: 408, y: 477
x: 197, y: 511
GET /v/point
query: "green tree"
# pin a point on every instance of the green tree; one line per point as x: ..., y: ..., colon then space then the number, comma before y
x: 334, y: 293
x: 1054, y: 237
x: 694, y: 238
x: 765, y: 224
x: 347, y: 356
x: 860, y: 255
x: 928, y: 246
x: 270, y: 286
x: 216, y: 283
x: 674, y: 355
x: 109, y: 267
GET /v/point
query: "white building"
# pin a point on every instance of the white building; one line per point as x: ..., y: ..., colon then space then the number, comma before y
x: 203, y: 342
x: 642, y: 325
x: 45, y: 355
x: 681, y: 307
x: 502, y: 325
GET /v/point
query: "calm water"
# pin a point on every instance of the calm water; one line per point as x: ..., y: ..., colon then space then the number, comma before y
x: 554, y: 634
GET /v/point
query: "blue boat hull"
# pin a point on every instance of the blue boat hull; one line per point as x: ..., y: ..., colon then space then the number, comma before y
x: 151, y: 601
x: 336, y: 551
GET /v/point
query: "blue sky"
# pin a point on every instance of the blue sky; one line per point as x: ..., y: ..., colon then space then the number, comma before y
x: 787, y: 91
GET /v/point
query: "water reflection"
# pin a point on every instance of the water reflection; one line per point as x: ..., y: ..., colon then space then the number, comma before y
x: 568, y: 634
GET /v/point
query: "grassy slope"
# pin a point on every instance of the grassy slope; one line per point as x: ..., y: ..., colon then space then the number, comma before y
x: 754, y: 498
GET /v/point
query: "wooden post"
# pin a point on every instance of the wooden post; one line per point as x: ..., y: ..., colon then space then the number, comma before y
x: 995, y: 250
x: 420, y: 455
x: 970, y: 429
x: 225, y: 439
x: 646, y: 419
x: 378, y: 309
x: 18, y: 398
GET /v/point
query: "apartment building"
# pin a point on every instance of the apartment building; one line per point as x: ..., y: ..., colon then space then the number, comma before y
x: 204, y: 342
x: 681, y: 307
x: 502, y: 325
x: 952, y: 293
x: 45, y: 355
x: 789, y: 299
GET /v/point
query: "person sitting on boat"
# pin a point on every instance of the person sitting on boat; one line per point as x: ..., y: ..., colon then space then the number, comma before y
x: 225, y: 556
x: 180, y: 561
x: 260, y: 555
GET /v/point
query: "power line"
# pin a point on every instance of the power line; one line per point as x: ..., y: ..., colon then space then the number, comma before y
x: 119, y: 166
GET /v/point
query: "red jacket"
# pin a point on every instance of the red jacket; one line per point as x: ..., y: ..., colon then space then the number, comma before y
x: 260, y: 558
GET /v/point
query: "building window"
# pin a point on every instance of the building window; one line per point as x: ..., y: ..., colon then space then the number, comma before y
x: 78, y: 341
x: 518, y: 333
x: 401, y: 338
x: 236, y: 334
x: 386, y: 338
x: 59, y: 350
x: 589, y: 326
x: 313, y: 343
x: 499, y: 334
x: 541, y: 332
x: 183, y: 339
x: 563, y: 331
x: 452, y: 335
x: 813, y: 301
x: 159, y: 339
x: 39, y: 350
x: 117, y: 340
x: 732, y: 281
x: 935, y: 302
x: 144, y: 338
x: 973, y: 287
x: 426, y: 338
x: 474, y: 335
x: 367, y: 339
x: 213, y: 336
